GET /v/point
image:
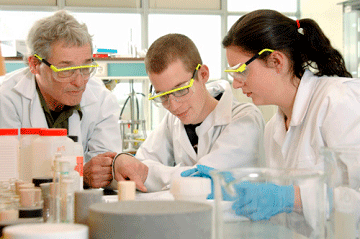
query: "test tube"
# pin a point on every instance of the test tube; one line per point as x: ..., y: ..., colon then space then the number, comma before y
x: 55, y: 190
x: 66, y: 193
x: 67, y: 201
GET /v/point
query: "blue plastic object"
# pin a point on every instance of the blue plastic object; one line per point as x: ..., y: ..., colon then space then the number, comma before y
x: 261, y: 201
x: 204, y: 172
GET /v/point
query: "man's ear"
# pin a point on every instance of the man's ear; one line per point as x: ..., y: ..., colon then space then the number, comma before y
x: 204, y: 73
x: 34, y: 65
x: 276, y: 60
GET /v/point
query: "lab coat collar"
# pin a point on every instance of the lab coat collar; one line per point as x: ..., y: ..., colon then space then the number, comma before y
x: 279, y: 131
x: 303, y: 97
x: 221, y: 115
x: 89, y: 97
x: 26, y: 85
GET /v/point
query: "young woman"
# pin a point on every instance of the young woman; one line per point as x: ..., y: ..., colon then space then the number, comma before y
x: 276, y: 60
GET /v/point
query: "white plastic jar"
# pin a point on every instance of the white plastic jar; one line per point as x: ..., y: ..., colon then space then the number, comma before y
x: 27, y: 137
x: 9, y: 153
x: 51, y: 141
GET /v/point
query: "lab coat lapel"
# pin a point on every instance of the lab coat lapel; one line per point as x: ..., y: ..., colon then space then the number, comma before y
x: 37, y: 116
x: 303, y: 97
x: 88, y: 98
x: 75, y: 125
x: 220, y: 116
x: 301, y: 104
x: 27, y: 88
x: 184, y: 141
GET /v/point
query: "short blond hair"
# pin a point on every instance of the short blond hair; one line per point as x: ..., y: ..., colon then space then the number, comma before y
x: 169, y: 48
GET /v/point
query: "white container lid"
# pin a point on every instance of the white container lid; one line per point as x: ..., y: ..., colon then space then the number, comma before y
x: 46, y: 231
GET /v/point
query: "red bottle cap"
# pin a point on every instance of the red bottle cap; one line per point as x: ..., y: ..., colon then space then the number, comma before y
x: 53, y: 132
x: 9, y: 132
x: 30, y: 130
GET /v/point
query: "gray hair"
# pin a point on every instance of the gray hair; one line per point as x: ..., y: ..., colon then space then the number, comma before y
x: 59, y: 27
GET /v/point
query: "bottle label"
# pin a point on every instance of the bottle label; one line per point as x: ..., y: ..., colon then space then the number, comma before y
x: 79, y: 165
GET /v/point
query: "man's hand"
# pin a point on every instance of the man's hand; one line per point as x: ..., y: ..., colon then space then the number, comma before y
x: 98, y: 171
x: 129, y: 168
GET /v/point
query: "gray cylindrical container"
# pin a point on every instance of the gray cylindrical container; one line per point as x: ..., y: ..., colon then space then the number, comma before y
x: 83, y: 200
x: 150, y: 219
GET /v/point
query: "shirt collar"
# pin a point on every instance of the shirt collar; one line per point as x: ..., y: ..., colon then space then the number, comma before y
x: 46, y: 108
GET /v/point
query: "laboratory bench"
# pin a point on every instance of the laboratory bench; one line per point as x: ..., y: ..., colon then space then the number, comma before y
x: 233, y: 226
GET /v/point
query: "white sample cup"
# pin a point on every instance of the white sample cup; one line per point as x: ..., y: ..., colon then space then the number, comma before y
x: 190, y: 188
x: 126, y: 190
x: 27, y: 197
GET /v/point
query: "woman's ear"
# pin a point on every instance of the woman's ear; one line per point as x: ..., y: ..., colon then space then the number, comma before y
x: 34, y: 65
x: 277, y: 60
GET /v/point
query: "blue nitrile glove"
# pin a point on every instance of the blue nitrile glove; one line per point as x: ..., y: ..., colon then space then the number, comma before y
x: 204, y: 172
x: 260, y: 201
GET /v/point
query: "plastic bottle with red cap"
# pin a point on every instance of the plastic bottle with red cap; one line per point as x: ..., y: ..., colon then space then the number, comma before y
x: 51, y: 141
x: 9, y: 153
x: 27, y: 138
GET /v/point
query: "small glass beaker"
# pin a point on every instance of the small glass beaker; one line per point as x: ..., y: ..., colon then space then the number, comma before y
x: 306, y: 222
x: 342, y: 164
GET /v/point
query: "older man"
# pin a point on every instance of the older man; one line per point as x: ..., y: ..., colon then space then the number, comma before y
x: 57, y: 90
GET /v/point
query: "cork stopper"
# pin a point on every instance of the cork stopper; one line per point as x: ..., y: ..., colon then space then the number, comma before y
x: 126, y: 190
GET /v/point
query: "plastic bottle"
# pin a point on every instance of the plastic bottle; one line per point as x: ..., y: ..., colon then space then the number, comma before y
x: 27, y: 137
x: 51, y: 141
x: 9, y: 203
x: 9, y: 154
x: 79, y: 167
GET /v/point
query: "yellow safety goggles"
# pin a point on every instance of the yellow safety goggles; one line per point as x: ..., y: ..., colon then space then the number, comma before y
x: 65, y: 74
x: 177, y: 92
x: 239, y: 70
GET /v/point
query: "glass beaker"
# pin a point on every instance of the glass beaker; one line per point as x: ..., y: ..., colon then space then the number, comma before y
x: 133, y: 133
x: 342, y: 164
x: 306, y: 222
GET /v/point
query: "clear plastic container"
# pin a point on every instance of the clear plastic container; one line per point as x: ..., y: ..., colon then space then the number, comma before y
x: 300, y: 224
x: 51, y: 141
x: 343, y: 167
x: 76, y: 164
x: 28, y: 135
x: 9, y: 151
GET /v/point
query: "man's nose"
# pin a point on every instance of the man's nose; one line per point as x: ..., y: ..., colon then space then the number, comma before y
x: 79, y: 79
x: 173, y: 104
x: 238, y: 83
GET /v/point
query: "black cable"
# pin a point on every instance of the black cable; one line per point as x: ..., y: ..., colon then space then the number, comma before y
x: 122, y: 110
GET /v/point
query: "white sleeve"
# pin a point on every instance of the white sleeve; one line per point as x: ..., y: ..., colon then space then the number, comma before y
x: 105, y: 135
x: 239, y: 145
x: 158, y: 154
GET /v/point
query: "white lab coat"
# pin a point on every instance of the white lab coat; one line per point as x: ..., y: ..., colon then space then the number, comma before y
x: 231, y: 136
x: 98, y: 130
x: 326, y: 113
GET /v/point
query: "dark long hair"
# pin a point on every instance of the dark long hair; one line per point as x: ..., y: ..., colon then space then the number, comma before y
x: 270, y: 29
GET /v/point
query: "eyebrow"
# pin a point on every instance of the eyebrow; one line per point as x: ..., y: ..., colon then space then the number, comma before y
x: 69, y: 63
x: 176, y: 86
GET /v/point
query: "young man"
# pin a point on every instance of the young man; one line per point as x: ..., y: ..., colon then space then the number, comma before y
x: 204, y: 125
x: 57, y: 90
